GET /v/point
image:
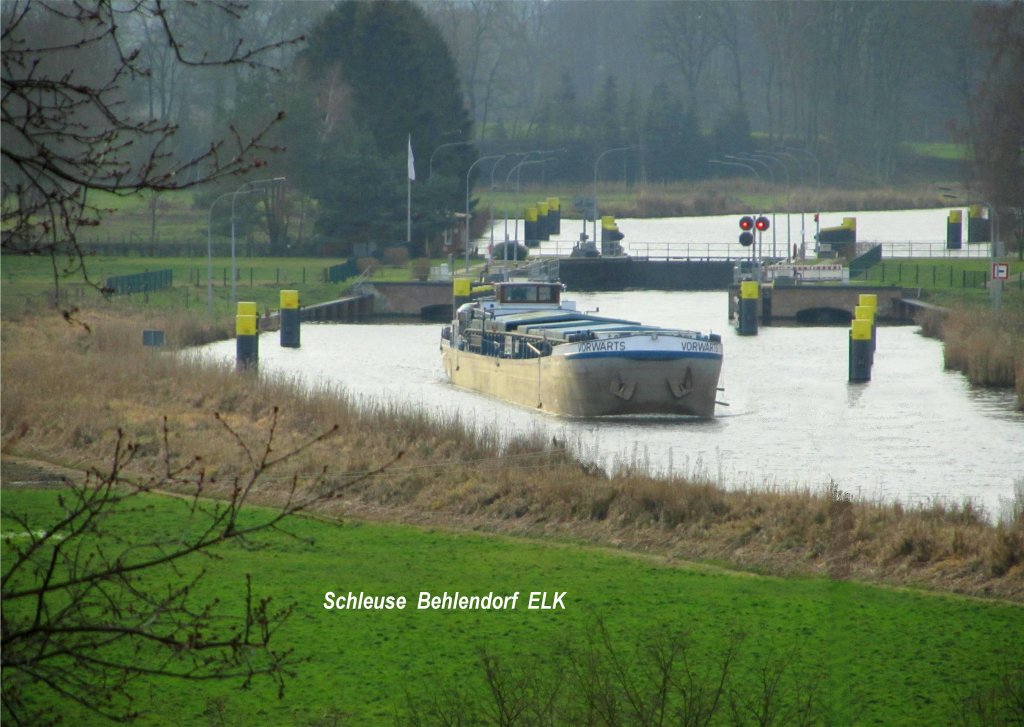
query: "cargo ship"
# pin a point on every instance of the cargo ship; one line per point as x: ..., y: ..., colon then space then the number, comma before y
x: 525, y: 345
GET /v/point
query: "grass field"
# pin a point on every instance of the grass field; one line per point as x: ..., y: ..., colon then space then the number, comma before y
x: 862, y: 654
x: 260, y: 279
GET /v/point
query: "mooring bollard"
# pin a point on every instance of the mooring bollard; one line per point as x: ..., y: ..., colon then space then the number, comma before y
x: 152, y: 338
x: 750, y: 293
x: 290, y: 319
x: 954, y: 230
x: 462, y: 290
x: 247, y: 339
x: 860, y: 351
x: 554, y: 215
x: 530, y: 226
x: 870, y: 300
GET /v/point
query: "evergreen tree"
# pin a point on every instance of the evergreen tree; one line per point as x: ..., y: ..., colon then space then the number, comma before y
x: 381, y: 73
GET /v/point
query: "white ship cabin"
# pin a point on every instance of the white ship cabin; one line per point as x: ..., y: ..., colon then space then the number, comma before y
x: 528, y: 294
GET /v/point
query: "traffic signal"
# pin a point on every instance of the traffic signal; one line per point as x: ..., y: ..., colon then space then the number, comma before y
x: 746, y: 239
x: 746, y: 223
x: 762, y: 223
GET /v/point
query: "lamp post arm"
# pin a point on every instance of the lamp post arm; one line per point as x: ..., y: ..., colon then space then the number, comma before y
x: 209, y: 253
x: 468, y: 173
x: 430, y: 165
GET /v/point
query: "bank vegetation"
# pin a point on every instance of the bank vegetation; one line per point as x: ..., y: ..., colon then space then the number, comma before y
x: 68, y: 389
x: 986, y: 346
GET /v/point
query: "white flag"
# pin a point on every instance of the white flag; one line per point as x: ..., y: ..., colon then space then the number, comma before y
x: 412, y: 165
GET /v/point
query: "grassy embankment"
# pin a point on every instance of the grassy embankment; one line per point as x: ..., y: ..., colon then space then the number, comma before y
x: 29, y: 281
x: 828, y: 651
x: 63, y: 408
x: 179, y: 221
x: 716, y: 197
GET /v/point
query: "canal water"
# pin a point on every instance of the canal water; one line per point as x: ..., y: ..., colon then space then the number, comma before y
x: 915, y: 433
x: 902, y: 233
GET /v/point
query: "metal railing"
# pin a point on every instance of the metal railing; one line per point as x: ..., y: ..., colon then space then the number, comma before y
x: 656, y: 250
x: 723, y: 250
x: 930, y: 248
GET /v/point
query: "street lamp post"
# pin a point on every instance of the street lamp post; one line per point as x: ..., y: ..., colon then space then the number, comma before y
x: 234, y: 196
x: 817, y: 188
x: 997, y: 288
x: 759, y: 179
x: 519, y: 169
x: 515, y: 169
x: 468, y: 173
x: 803, y: 181
x: 209, y: 254
x: 596, y: 162
x: 789, y: 199
x: 771, y: 177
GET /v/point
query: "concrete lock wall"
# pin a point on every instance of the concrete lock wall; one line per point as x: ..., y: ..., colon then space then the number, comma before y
x: 610, y: 274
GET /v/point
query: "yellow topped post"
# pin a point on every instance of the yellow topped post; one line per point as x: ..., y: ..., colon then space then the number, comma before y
x: 750, y: 292
x: 554, y: 215
x: 290, y: 319
x: 247, y: 340
x: 289, y: 299
x: 868, y: 299
x: 245, y: 325
x: 860, y: 329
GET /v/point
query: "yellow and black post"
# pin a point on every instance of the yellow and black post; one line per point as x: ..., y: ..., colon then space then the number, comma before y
x: 860, y: 351
x: 869, y: 301
x: 543, y: 233
x: 978, y: 227
x: 750, y: 296
x: 462, y: 290
x: 290, y: 319
x: 954, y: 230
x: 530, y: 226
x: 247, y: 339
x: 554, y: 216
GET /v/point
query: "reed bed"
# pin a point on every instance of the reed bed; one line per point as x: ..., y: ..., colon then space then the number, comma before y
x: 735, y: 195
x: 986, y: 345
x: 68, y: 390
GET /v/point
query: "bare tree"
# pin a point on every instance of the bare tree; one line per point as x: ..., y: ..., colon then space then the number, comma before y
x: 687, y: 33
x: 69, y: 128
x: 997, y: 131
x: 88, y: 610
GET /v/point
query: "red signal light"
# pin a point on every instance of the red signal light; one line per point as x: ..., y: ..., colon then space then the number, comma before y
x: 746, y: 222
x: 762, y: 223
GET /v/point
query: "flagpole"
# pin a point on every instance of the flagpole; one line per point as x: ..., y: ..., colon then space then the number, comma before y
x: 408, y: 193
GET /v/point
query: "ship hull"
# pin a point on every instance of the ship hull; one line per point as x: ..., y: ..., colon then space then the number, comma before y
x: 639, y: 376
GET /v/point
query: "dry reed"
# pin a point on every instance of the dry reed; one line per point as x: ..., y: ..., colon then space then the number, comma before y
x: 986, y: 345
x: 66, y: 392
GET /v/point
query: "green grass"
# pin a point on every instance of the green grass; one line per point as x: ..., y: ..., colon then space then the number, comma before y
x: 885, y: 656
x: 955, y: 152
x: 260, y: 279
x: 129, y: 217
x: 946, y: 280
